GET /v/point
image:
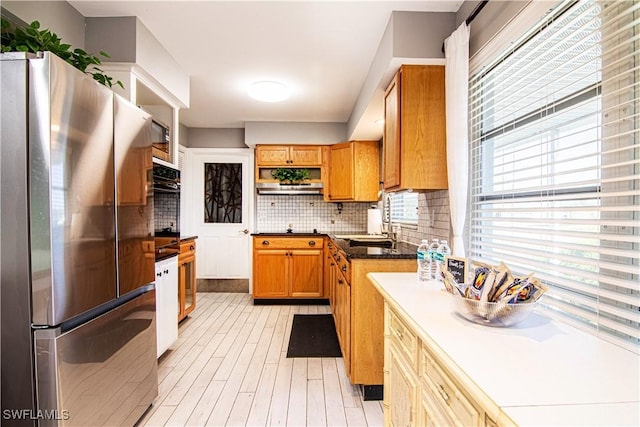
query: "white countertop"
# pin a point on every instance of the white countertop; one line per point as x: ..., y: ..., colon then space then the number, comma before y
x: 539, y: 372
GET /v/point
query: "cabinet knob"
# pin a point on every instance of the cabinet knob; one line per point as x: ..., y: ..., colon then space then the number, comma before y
x: 344, y: 268
x: 159, y: 274
x: 166, y: 272
x: 338, y: 258
x: 192, y: 247
x: 332, y: 264
x: 340, y: 282
x: 312, y: 242
x: 265, y: 242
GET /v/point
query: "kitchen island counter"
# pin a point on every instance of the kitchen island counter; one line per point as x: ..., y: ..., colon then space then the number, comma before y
x: 538, y: 372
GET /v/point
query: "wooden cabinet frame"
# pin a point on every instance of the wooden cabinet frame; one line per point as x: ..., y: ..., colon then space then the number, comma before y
x: 271, y: 157
x: 186, y: 278
x: 288, y: 267
x: 359, y: 308
x: 354, y: 172
x: 414, y: 144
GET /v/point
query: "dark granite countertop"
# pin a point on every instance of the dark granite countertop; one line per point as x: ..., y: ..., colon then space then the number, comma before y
x: 399, y: 250
x: 185, y: 238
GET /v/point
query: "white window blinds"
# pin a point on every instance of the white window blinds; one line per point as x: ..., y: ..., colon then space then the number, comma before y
x: 555, y: 185
x: 401, y: 207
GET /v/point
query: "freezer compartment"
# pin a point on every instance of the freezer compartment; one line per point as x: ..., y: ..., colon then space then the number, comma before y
x: 103, y: 372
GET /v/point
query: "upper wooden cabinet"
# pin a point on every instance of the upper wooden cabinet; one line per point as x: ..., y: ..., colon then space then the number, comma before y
x: 414, y: 144
x: 354, y: 172
x: 289, y: 155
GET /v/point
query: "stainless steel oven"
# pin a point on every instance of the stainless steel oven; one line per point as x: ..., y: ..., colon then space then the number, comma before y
x: 166, y: 194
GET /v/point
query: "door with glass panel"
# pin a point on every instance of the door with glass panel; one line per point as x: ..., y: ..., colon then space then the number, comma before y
x: 220, y: 212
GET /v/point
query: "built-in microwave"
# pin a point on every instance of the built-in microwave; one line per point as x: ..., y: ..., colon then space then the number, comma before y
x: 161, y: 138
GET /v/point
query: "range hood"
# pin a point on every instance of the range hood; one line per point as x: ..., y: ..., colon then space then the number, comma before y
x: 274, y: 188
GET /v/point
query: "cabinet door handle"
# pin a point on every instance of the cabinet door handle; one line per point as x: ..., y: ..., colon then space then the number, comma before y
x: 312, y: 242
x: 338, y: 258
x: 265, y: 242
x: 340, y: 282
x: 332, y: 264
x: 443, y: 393
x: 192, y: 247
x: 344, y: 268
x: 166, y: 272
x: 159, y: 274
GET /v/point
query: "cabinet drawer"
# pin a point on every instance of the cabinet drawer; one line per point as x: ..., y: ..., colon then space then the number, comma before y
x: 345, y: 268
x: 340, y: 259
x: 288, y: 242
x: 438, y: 384
x: 187, y: 246
x: 403, y: 338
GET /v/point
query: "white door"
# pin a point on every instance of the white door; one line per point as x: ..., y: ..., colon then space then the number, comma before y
x: 221, y: 210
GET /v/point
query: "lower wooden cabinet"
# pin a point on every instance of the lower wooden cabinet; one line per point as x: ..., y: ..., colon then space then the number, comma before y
x: 418, y: 390
x: 340, y: 300
x: 358, y: 310
x: 288, y: 267
x: 401, y: 390
x: 186, y: 278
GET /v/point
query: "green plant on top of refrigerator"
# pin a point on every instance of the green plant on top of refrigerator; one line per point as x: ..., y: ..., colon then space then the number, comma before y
x: 33, y: 39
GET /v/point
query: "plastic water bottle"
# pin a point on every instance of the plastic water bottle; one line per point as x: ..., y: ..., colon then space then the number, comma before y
x: 424, y: 263
x: 443, y: 251
x: 433, y: 249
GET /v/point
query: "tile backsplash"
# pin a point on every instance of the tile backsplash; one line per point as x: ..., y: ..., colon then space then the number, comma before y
x: 166, y: 211
x: 306, y: 213
x: 433, y: 218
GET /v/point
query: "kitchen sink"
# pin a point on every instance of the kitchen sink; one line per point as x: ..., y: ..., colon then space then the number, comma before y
x: 378, y: 243
x: 372, y: 237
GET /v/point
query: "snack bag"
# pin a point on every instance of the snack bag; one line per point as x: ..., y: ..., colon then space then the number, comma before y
x: 503, y: 279
x: 474, y: 291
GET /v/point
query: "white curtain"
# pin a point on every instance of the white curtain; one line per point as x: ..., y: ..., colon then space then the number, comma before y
x: 456, y: 90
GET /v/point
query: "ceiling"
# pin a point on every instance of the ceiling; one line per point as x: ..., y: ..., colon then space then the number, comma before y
x: 321, y: 49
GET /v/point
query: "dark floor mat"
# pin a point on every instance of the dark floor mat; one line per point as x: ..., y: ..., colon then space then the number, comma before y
x: 313, y: 335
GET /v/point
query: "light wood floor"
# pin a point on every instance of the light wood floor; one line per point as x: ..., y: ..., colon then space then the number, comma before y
x: 229, y: 367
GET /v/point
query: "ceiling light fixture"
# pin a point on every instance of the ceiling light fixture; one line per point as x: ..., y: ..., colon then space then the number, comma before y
x: 268, y: 91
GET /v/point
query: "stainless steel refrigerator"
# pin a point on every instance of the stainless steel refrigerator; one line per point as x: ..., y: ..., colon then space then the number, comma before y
x: 77, y: 249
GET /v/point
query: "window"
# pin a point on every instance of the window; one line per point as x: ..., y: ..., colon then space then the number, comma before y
x: 555, y: 183
x: 402, y: 207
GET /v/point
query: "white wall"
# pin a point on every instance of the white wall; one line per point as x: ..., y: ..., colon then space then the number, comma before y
x: 294, y: 133
x: 58, y: 16
x: 216, y: 138
x: 132, y: 42
x: 410, y: 38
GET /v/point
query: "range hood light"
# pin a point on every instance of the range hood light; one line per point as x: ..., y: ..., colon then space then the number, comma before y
x: 274, y: 188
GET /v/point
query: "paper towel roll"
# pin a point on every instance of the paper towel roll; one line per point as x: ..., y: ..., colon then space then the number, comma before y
x: 374, y: 221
